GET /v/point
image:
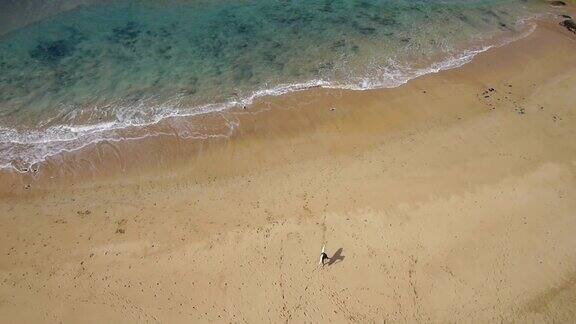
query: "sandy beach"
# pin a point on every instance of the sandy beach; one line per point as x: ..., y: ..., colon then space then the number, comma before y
x: 449, y: 199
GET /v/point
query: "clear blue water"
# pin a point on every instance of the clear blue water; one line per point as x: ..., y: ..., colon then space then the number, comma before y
x: 83, y: 74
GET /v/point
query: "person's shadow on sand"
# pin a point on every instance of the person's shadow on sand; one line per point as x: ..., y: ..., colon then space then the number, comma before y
x: 337, y: 257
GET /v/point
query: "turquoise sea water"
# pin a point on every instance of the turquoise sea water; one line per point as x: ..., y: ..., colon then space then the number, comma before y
x: 82, y: 75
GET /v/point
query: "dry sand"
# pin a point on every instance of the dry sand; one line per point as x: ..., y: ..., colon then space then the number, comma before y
x: 442, y: 200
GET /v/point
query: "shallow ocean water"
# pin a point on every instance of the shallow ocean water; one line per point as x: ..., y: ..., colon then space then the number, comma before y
x: 83, y: 74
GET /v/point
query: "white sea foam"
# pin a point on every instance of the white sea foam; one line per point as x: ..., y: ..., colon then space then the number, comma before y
x: 20, y: 150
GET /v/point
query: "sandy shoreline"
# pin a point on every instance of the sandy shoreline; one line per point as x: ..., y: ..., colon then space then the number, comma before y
x: 449, y: 202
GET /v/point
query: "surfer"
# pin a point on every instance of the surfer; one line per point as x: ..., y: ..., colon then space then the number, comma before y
x: 323, y: 256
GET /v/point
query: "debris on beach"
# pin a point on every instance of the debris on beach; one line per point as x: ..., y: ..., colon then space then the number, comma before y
x: 83, y: 212
x: 121, y: 226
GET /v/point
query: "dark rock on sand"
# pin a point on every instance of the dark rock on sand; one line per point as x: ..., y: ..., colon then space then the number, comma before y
x: 569, y: 24
x: 566, y: 16
x: 557, y: 3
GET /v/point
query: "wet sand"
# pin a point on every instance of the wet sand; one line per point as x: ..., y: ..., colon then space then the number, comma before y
x: 450, y: 198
